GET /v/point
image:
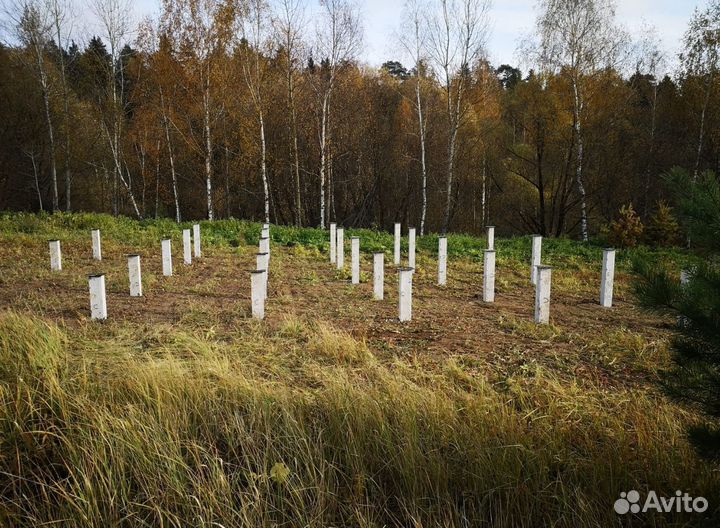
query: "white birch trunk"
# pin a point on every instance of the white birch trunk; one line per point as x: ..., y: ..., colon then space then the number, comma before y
x: 323, y: 157
x: 263, y: 148
x: 423, y: 164
x: 45, y: 86
x: 208, y: 146
x: 166, y: 124
x: 578, y: 107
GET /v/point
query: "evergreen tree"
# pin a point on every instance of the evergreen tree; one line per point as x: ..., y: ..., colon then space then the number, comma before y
x: 396, y: 69
x: 508, y: 76
x: 695, y: 300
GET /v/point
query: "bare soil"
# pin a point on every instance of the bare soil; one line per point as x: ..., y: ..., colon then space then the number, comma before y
x: 448, y: 322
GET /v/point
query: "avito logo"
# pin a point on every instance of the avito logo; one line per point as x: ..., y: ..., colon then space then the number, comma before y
x: 682, y: 502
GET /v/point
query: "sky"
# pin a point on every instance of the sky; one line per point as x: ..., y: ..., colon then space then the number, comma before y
x: 511, y: 19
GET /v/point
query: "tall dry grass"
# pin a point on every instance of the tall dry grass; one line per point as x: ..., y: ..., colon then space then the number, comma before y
x: 303, y: 425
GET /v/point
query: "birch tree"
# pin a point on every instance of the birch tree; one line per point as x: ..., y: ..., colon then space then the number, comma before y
x: 164, y: 112
x: 33, y: 25
x: 289, y: 21
x: 162, y: 89
x: 650, y: 61
x: 202, y: 30
x: 338, y: 39
x: 701, y: 58
x: 115, y: 19
x: 256, y: 45
x: 577, y: 39
x: 30, y: 153
x: 457, y: 32
x: 60, y: 10
x: 414, y: 42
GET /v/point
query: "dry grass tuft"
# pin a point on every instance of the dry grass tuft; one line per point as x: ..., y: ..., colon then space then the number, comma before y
x: 337, y: 344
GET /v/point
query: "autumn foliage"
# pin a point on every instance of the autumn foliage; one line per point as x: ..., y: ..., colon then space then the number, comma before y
x: 243, y: 109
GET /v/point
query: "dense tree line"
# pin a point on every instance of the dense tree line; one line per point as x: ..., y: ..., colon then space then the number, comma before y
x: 240, y: 108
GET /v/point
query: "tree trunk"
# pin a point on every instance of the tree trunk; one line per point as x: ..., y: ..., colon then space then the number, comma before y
x: 173, y: 175
x: 227, y: 182
x: 650, y: 153
x: 483, y: 203
x: 578, y: 107
x: 541, y: 187
x: 701, y: 137
x: 323, y: 154
x: 105, y: 181
x: 454, y: 116
x: 487, y: 195
x: 66, y: 109
x: 68, y: 174
x: 332, y: 211
x: 128, y: 187
x: 421, y: 120
x: 208, y: 147
x: 294, y: 150
x: 253, y: 79
x: 116, y: 194
x: 263, y: 168
x: 115, y: 137
x: 37, y: 180
x: 450, y: 177
x: 142, y: 159
x: 44, y: 84
x: 157, y: 181
x: 178, y: 216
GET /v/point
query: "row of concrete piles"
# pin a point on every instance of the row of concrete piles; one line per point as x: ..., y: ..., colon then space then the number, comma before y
x: 96, y: 282
x: 191, y: 244
x: 540, y: 275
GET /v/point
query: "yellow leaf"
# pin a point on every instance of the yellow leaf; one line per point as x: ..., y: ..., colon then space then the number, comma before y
x: 280, y: 473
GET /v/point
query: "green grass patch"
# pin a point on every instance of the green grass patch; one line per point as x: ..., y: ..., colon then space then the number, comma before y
x: 559, y: 252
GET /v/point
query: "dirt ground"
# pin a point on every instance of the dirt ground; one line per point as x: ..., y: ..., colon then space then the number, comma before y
x: 583, y: 340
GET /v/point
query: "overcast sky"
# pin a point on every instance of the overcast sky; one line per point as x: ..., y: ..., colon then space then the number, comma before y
x: 510, y: 20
